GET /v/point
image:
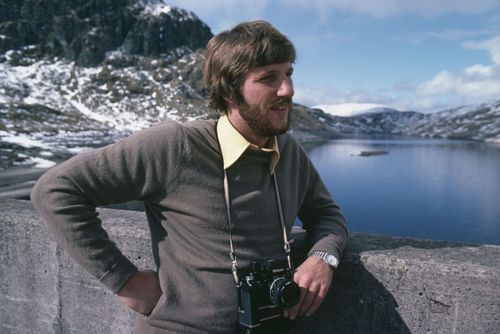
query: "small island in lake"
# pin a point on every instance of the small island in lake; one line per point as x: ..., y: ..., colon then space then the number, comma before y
x: 372, y: 153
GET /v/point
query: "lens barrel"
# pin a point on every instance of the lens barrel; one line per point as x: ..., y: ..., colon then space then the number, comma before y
x: 284, y: 292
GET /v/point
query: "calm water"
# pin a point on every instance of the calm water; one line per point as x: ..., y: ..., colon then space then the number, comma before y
x: 433, y: 189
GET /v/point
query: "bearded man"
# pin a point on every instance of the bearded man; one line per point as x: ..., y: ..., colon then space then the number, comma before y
x: 221, y: 198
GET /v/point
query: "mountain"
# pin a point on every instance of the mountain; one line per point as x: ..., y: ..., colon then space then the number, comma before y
x: 383, y: 122
x: 352, y: 108
x: 84, y: 31
x: 78, y: 74
x: 480, y: 122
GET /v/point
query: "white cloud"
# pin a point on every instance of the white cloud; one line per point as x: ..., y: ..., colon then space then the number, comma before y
x: 492, y: 45
x: 476, y: 82
x: 349, y: 109
x: 447, y: 35
x: 389, y: 8
x: 226, y: 13
x: 478, y: 71
x: 236, y: 10
x: 327, y: 95
x: 443, y: 83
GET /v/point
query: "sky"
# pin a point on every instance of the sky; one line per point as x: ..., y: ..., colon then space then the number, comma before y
x: 422, y: 55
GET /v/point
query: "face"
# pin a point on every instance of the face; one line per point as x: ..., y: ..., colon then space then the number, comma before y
x: 267, y: 100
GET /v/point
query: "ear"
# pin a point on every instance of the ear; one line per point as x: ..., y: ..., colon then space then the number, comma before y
x: 230, y: 101
x: 229, y: 95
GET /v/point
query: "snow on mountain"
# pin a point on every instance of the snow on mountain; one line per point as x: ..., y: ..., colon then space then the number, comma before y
x: 161, y: 7
x: 156, y: 8
x: 124, y: 94
x: 125, y: 66
x: 381, y: 122
x: 351, y: 109
x: 480, y: 122
x: 99, y: 71
x: 87, y: 75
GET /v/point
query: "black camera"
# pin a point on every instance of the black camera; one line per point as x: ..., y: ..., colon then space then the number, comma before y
x: 265, y: 289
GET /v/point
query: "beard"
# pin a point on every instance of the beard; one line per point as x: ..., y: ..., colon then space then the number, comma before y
x: 255, y: 116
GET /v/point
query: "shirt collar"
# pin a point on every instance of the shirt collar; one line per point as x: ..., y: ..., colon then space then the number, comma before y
x: 233, y: 144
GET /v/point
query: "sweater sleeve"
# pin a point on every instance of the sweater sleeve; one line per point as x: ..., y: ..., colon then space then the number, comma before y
x: 325, y: 226
x: 66, y: 197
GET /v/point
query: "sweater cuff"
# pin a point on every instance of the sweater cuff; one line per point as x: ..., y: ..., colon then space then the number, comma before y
x: 118, y: 275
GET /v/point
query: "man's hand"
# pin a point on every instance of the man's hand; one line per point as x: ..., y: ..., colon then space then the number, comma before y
x: 314, y: 277
x: 141, y: 292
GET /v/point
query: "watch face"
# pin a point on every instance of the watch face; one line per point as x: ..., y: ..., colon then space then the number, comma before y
x: 332, y: 260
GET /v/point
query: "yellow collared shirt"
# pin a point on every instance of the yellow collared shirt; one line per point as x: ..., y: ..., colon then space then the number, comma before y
x: 233, y: 144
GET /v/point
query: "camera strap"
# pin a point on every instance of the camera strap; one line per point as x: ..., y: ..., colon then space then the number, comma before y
x: 232, y: 253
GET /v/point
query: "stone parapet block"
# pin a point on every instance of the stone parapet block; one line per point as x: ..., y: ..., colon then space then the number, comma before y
x: 383, y: 284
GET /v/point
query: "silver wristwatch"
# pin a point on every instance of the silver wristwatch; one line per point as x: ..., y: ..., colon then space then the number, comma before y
x: 331, y: 260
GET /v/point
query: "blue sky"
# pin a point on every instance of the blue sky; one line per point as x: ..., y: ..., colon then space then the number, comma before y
x: 424, y: 55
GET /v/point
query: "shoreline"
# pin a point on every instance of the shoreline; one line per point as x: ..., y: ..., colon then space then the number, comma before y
x: 17, y: 182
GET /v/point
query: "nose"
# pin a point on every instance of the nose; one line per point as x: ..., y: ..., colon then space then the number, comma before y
x: 286, y: 87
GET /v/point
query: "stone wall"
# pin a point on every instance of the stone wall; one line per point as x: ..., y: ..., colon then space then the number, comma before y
x: 384, y: 285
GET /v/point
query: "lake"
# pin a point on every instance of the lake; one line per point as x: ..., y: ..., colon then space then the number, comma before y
x: 422, y: 188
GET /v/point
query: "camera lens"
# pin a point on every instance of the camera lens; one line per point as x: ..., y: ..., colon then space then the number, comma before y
x: 284, y: 292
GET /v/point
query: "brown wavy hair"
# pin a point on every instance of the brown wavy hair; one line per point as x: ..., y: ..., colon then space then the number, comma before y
x: 231, y: 54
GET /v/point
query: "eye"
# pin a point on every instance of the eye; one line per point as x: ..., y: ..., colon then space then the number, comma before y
x: 268, y: 78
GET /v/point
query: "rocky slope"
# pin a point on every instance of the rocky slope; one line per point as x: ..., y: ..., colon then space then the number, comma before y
x: 79, y: 74
x: 388, y: 121
x: 84, y: 31
x: 481, y: 122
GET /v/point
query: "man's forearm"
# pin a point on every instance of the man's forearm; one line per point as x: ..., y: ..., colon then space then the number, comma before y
x: 76, y: 226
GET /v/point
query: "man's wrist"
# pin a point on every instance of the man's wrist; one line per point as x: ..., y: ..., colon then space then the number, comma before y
x: 329, y: 259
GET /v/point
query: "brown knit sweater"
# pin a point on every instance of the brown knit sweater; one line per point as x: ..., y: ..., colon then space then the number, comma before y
x: 176, y: 169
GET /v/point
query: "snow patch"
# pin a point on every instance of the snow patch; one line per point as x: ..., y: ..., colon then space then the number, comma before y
x: 22, y: 140
x: 157, y: 9
x: 349, y: 109
x: 41, y: 163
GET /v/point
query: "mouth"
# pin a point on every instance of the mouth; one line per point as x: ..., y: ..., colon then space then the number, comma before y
x: 282, y: 106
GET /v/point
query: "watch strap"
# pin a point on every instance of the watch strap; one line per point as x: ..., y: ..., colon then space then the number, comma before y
x: 331, y: 260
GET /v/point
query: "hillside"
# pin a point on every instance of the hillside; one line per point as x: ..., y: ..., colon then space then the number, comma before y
x: 75, y: 75
x: 481, y: 122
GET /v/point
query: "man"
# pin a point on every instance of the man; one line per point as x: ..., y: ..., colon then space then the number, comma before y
x: 208, y: 188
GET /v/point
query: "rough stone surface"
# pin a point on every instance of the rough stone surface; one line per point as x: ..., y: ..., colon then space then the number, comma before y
x: 383, y: 285
x: 84, y: 31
